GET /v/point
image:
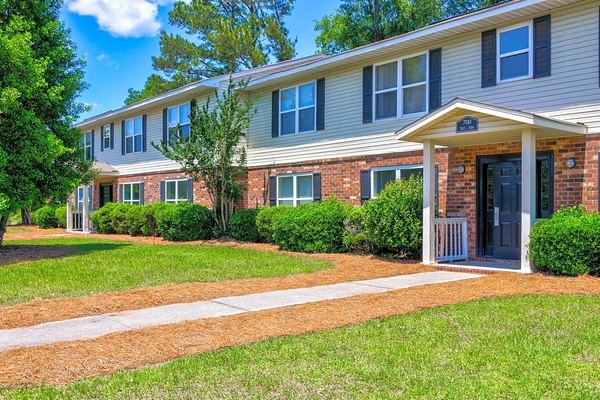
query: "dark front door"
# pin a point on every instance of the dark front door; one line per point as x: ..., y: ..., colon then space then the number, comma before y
x: 106, y: 194
x: 507, y: 210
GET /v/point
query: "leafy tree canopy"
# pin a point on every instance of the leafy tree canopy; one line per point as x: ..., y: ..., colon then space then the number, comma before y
x: 40, y: 81
x: 352, y: 24
x: 231, y: 36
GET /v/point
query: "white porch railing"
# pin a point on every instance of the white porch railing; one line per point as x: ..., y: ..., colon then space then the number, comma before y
x: 77, y: 220
x: 451, y: 241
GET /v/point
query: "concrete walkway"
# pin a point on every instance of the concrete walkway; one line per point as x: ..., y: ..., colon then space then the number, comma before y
x: 92, y: 327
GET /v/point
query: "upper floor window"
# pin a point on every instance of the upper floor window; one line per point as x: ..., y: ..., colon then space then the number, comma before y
x: 381, y: 176
x: 106, y: 137
x: 298, y: 109
x: 133, y: 135
x: 401, y: 87
x: 179, y: 116
x: 177, y: 191
x: 514, y: 53
x: 85, y: 145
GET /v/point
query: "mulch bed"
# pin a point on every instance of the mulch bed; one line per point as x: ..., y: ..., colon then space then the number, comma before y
x: 62, y: 363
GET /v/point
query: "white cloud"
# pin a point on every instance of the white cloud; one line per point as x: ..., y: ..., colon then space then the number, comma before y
x: 128, y: 18
x: 105, y: 59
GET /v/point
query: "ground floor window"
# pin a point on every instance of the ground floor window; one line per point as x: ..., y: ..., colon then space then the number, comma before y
x: 177, y: 191
x: 80, y: 196
x: 131, y: 193
x: 294, y: 189
x: 381, y: 176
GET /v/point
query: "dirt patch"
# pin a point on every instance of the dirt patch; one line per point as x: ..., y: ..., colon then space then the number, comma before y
x: 22, y: 253
x: 66, y: 362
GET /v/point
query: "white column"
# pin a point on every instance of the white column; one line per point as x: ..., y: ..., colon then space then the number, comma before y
x: 69, y: 216
x: 528, y: 194
x: 86, y: 210
x: 428, y: 201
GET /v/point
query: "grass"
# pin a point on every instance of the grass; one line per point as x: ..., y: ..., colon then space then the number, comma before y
x: 102, y: 265
x: 525, y: 347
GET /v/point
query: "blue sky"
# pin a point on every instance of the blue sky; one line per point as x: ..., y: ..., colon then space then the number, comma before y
x: 119, y: 37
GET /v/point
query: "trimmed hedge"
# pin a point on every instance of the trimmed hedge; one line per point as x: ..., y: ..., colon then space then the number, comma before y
x: 567, y: 243
x: 312, y: 228
x: 61, y: 216
x: 150, y: 214
x: 242, y: 225
x: 118, y: 217
x: 186, y: 222
x: 393, y: 222
x: 45, y: 217
x: 101, y: 219
x: 264, y: 221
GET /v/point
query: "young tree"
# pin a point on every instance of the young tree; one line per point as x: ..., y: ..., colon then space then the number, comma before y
x: 231, y: 36
x: 213, y: 153
x: 359, y: 22
x: 40, y: 81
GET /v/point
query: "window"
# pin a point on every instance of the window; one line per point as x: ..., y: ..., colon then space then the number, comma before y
x: 294, y: 189
x: 85, y: 145
x: 106, y: 137
x: 176, y: 191
x: 514, y: 53
x: 133, y: 136
x: 381, y: 176
x: 401, y: 87
x: 179, y: 116
x: 131, y: 193
x: 80, y: 194
x: 298, y: 109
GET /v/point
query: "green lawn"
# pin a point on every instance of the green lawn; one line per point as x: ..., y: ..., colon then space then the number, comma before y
x: 102, y: 265
x: 526, y: 347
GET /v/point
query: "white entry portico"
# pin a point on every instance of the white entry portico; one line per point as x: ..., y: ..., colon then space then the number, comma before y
x: 463, y: 122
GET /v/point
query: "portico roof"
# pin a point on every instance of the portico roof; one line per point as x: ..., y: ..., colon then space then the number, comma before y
x: 488, y: 123
x: 105, y: 169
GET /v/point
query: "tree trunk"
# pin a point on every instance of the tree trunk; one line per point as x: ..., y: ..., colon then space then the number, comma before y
x: 26, y: 216
x: 3, y: 222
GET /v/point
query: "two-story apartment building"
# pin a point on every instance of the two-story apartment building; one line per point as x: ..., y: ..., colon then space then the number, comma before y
x: 499, y: 110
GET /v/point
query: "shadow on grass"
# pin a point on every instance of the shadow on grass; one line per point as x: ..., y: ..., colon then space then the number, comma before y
x: 18, y: 253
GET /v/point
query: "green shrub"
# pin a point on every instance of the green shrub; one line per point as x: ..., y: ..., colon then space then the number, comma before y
x: 393, y: 221
x: 118, y: 218
x: 61, y: 216
x: 186, y: 222
x: 150, y: 214
x: 312, y: 228
x: 264, y: 221
x: 567, y: 243
x: 101, y: 219
x: 355, y: 238
x: 135, y: 220
x: 242, y: 225
x: 45, y: 217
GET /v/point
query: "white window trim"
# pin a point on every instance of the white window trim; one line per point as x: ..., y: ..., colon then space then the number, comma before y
x: 529, y: 25
x: 177, y: 198
x: 105, y: 130
x: 297, y: 110
x: 84, y: 146
x: 398, y: 174
x: 399, y: 87
x: 134, y: 135
x: 169, y: 126
x: 294, y: 197
x: 79, y: 200
x: 139, y: 202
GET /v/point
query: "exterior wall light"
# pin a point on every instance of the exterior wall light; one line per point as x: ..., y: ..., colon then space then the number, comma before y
x: 461, y: 169
x: 570, y: 163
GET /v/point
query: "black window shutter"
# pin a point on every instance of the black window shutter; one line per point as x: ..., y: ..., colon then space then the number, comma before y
x: 144, y: 130
x: 273, y: 190
x: 102, y: 138
x: 541, y: 46
x: 121, y: 193
x: 365, y: 185
x: 162, y: 190
x: 320, y: 104
x: 435, y: 79
x: 123, y: 137
x: 488, y: 58
x: 141, y: 193
x: 275, y: 114
x: 368, y: 94
x: 93, y: 143
x: 112, y: 135
x: 190, y: 193
x: 317, y: 186
x: 165, y: 125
